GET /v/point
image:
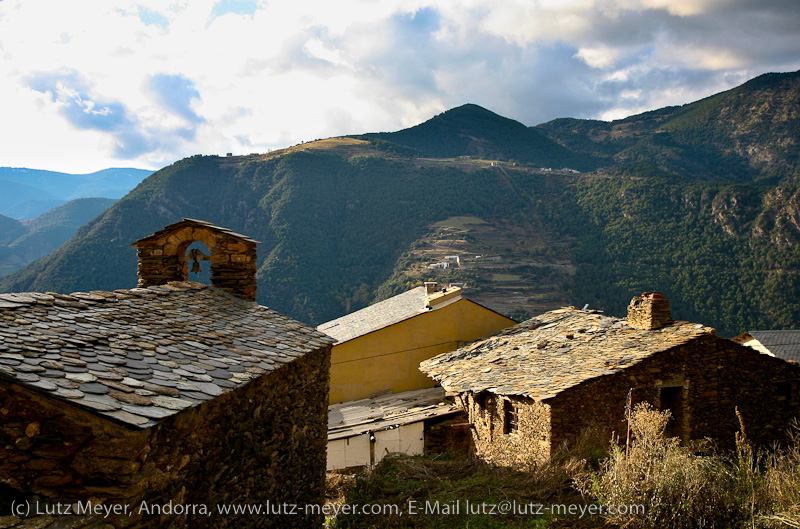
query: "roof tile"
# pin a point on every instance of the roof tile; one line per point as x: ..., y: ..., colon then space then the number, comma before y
x: 140, y: 355
x: 552, y: 352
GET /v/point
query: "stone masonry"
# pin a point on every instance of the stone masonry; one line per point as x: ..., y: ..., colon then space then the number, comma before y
x: 162, y: 406
x: 233, y: 257
x: 532, y: 387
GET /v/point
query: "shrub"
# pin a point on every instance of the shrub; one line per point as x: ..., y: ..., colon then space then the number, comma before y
x: 677, y: 488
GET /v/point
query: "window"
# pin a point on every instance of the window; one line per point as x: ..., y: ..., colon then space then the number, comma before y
x: 511, y: 419
x: 784, y: 390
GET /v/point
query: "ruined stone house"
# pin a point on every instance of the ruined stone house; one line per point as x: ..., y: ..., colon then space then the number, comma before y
x: 162, y: 402
x: 542, y: 382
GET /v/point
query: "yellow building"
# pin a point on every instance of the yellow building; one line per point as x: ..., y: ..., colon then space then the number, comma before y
x: 379, y: 348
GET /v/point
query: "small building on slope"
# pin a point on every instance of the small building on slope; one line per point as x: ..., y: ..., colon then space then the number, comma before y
x: 540, y: 383
x: 363, y: 432
x: 163, y: 402
x: 781, y: 344
x: 378, y: 348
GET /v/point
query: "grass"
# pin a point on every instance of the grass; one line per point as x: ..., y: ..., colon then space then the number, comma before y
x: 443, y: 492
x: 679, y: 489
x: 461, y: 223
x: 506, y: 277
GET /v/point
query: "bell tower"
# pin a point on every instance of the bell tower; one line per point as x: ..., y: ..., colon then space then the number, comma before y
x: 162, y: 257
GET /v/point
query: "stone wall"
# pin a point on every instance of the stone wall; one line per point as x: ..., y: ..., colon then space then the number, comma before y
x: 713, y: 376
x: 494, y: 439
x: 263, y: 442
x: 233, y: 257
x: 448, y: 434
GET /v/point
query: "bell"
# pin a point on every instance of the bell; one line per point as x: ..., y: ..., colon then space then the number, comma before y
x: 195, y: 267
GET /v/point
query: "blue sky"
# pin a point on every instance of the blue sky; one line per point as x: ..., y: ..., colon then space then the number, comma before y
x: 143, y: 83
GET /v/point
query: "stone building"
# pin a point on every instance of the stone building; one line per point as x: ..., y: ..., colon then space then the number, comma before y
x: 158, y: 405
x: 540, y: 383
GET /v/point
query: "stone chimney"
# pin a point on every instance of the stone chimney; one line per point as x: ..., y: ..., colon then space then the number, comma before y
x: 430, y: 287
x: 162, y: 257
x: 649, y: 311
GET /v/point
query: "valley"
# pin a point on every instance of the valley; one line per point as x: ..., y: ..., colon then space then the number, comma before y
x: 570, y: 212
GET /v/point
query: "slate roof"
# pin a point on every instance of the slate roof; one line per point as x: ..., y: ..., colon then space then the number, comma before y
x: 377, y: 316
x: 783, y: 344
x: 356, y: 417
x: 141, y: 355
x: 543, y: 356
x: 194, y: 222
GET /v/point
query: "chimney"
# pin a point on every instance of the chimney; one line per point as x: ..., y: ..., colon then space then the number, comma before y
x: 442, y: 298
x: 162, y: 257
x: 649, y: 311
x: 430, y: 287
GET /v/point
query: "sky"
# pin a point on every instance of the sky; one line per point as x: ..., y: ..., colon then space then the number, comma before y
x: 143, y: 83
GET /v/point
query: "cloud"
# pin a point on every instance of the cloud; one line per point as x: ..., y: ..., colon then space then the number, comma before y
x: 129, y: 138
x: 72, y: 94
x: 175, y: 93
x: 152, y: 80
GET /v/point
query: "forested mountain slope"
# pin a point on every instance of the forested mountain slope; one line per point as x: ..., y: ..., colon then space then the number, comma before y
x: 344, y: 222
x: 749, y: 133
x: 28, y: 240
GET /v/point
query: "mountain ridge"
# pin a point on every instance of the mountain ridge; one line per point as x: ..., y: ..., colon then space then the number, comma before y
x: 23, y: 242
x: 347, y: 221
x: 26, y: 193
x: 719, y: 138
x: 471, y: 130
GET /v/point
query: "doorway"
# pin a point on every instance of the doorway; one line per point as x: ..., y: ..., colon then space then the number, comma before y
x: 672, y: 400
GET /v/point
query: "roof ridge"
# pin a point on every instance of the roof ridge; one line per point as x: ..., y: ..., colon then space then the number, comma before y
x: 554, y: 351
x: 14, y: 300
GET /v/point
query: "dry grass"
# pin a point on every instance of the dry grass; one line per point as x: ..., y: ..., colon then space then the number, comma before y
x: 682, y: 490
x: 678, y: 488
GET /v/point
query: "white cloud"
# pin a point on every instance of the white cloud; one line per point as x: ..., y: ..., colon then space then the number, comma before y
x: 266, y: 74
x: 599, y: 57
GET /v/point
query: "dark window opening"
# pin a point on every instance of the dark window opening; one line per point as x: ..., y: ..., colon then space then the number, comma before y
x: 672, y: 400
x: 480, y: 403
x: 10, y: 495
x: 784, y: 390
x: 511, y: 420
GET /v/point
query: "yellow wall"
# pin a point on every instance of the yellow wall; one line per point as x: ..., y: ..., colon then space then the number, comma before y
x: 388, y: 359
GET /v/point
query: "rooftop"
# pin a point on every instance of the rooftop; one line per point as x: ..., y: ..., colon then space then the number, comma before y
x: 783, y: 344
x: 186, y: 222
x: 388, y: 411
x: 377, y: 316
x: 141, y: 355
x: 543, y: 356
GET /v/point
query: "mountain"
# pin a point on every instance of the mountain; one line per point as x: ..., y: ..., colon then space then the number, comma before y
x: 27, y: 193
x: 10, y: 229
x: 24, y: 242
x: 32, y: 208
x: 470, y: 130
x: 13, y: 193
x: 750, y: 133
x: 347, y: 221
